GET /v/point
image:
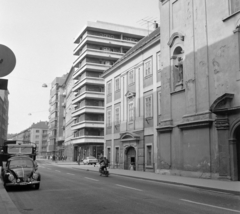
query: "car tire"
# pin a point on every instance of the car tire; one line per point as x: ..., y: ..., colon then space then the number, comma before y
x: 37, y: 186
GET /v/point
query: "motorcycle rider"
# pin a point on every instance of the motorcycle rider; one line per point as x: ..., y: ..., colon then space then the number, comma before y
x: 103, y: 164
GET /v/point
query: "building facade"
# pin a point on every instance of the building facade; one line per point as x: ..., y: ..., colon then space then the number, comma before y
x: 133, y: 91
x: 36, y: 134
x: 99, y: 46
x: 56, y: 120
x: 4, y: 105
x: 199, y: 126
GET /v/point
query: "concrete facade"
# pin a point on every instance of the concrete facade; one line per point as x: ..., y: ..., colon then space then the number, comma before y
x: 98, y: 46
x: 131, y: 104
x: 198, y: 130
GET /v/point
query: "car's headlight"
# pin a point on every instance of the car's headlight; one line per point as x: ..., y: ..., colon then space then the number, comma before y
x: 35, y: 176
x: 11, y: 178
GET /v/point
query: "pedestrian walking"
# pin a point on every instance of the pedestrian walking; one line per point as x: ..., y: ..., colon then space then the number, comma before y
x: 78, y: 159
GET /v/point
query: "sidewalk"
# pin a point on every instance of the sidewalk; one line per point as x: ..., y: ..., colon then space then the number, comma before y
x: 232, y: 187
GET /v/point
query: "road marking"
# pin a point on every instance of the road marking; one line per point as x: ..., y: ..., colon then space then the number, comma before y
x: 57, y: 171
x: 70, y: 174
x: 219, y: 192
x: 208, y: 205
x: 91, y: 179
x: 128, y: 187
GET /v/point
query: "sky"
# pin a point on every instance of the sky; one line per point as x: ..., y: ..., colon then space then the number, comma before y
x: 41, y: 35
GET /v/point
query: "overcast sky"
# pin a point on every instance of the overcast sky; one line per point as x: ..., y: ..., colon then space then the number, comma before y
x: 41, y: 35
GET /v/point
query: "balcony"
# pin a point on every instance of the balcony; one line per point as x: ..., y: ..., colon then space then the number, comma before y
x: 87, y: 139
x: 88, y: 80
x: 94, y: 53
x: 88, y: 95
x: 88, y: 109
x: 90, y: 66
x: 103, y: 41
x: 88, y: 124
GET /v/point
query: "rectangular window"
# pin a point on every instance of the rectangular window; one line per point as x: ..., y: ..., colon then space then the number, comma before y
x: 159, y: 103
x: 130, y: 111
x: 148, y: 106
x: 109, y: 118
x: 37, y: 131
x: 147, y: 68
x: 131, y: 77
x: 117, y: 116
x: 149, y: 155
x: 109, y: 87
x: 158, y: 61
x: 117, y: 155
x: 37, y: 142
x: 117, y: 84
x: 37, y: 136
x: 109, y: 154
x: 234, y: 6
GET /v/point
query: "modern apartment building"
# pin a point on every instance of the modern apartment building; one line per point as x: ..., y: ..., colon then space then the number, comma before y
x: 4, y: 105
x: 199, y: 128
x: 132, y: 98
x: 98, y: 46
x: 56, y: 120
x: 36, y: 134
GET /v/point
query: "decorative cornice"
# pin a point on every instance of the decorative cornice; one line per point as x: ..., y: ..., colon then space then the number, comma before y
x: 195, y: 124
x: 164, y: 128
x: 222, y: 124
x: 222, y: 104
x: 129, y: 136
x: 130, y: 94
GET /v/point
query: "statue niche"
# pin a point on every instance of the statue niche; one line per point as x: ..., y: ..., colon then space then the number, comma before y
x: 178, y: 69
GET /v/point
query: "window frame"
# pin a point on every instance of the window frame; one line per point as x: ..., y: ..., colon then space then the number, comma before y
x: 117, y: 155
x: 131, y: 113
x: 117, y: 122
x: 117, y: 86
x: 148, y: 67
x: 149, y: 159
x: 230, y: 8
x: 109, y: 117
x: 131, y: 77
x: 147, y: 114
x: 109, y: 88
x: 159, y: 102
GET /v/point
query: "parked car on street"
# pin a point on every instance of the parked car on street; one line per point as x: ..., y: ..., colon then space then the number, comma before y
x: 20, y: 170
x: 90, y: 160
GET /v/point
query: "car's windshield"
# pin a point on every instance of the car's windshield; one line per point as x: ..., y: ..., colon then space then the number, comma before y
x: 20, y: 163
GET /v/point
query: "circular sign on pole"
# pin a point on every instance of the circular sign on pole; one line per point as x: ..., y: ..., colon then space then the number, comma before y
x: 7, y: 60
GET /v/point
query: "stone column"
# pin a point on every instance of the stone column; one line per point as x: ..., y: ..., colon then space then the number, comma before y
x: 222, y: 126
x: 233, y: 159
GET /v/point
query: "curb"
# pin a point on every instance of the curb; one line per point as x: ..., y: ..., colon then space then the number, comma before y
x: 6, y: 203
x: 171, y: 182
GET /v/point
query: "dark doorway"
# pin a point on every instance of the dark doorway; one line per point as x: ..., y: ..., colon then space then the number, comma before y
x: 237, y: 135
x: 130, y: 158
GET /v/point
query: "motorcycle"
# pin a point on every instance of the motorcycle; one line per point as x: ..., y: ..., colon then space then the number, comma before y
x: 104, y: 172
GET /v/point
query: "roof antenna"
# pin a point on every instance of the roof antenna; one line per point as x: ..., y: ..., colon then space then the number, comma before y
x: 148, y: 21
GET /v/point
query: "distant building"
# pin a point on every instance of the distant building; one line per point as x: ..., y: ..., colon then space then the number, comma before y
x: 56, y: 137
x: 132, y: 98
x: 36, y: 134
x: 4, y: 106
x: 98, y: 46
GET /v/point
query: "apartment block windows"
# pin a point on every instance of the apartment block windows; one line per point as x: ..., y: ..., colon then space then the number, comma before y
x: 117, y: 155
x: 130, y: 111
x: 37, y: 131
x: 149, y: 155
x: 148, y: 106
x: 131, y: 77
x: 109, y: 112
x: 117, y: 84
x: 109, y: 87
x: 234, y: 6
x: 147, y: 68
x: 117, y: 116
x: 159, y: 103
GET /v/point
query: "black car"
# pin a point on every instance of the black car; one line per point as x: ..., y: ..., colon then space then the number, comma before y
x: 20, y: 170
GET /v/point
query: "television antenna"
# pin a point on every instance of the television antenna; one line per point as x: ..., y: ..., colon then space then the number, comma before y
x: 148, y: 21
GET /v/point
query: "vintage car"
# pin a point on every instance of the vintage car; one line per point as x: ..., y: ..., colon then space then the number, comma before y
x: 20, y: 170
x: 90, y: 160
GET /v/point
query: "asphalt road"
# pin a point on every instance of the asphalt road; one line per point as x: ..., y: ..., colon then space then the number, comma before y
x: 67, y: 190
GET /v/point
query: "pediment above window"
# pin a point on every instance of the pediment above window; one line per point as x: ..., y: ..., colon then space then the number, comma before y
x: 222, y: 104
x: 175, y: 36
x: 129, y: 136
x: 130, y: 94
